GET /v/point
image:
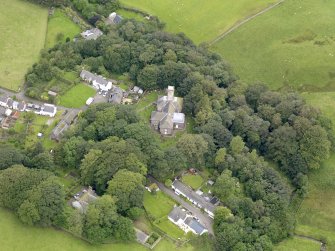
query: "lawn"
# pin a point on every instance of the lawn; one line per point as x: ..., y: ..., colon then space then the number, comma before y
x: 291, y: 46
x: 200, y: 20
x: 297, y: 244
x: 76, y: 97
x: 23, y: 28
x: 170, y: 229
x: 194, y: 181
x: 158, y: 205
x: 60, y: 23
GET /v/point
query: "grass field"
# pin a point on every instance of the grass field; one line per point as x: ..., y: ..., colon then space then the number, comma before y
x: 292, y: 45
x: 23, y: 28
x: 200, y: 20
x: 297, y: 244
x: 158, y: 205
x: 60, y: 23
x: 194, y: 181
x: 16, y: 236
x: 76, y: 97
x: 316, y: 216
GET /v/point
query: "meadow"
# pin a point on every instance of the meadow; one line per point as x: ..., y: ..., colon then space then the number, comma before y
x: 76, y: 97
x: 20, y: 49
x: 297, y: 244
x: 291, y: 46
x: 200, y: 20
x: 59, y: 23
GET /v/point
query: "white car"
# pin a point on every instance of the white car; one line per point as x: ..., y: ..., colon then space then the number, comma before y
x: 89, y: 101
x: 100, y: 92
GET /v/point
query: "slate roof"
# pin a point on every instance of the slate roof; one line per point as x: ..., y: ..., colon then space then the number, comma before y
x: 195, y: 225
x: 2, y: 111
x: 177, y: 213
x: 178, y: 118
x: 91, y: 34
x: 64, y: 124
x: 89, y: 76
x: 163, y: 104
x: 168, y: 111
x: 49, y: 108
x: 3, y: 99
x: 193, y: 196
x: 114, y: 19
x: 21, y: 106
x: 10, y: 102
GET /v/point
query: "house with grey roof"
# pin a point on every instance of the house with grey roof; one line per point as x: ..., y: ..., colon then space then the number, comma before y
x: 198, y: 200
x: 168, y: 117
x: 47, y: 110
x: 97, y: 81
x: 116, y: 96
x: 91, y: 34
x: 64, y: 125
x: 184, y: 220
x: 3, y: 101
x: 113, y: 18
x: 82, y: 199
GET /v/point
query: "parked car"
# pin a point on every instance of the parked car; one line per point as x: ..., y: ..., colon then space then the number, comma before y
x: 89, y: 101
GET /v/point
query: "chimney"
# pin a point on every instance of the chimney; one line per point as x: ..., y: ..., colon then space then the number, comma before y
x: 170, y: 93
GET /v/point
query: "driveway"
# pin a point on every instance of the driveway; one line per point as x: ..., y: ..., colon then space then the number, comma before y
x: 203, y: 218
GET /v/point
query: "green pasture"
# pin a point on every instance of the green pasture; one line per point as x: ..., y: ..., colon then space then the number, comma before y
x: 23, y: 28
x: 316, y: 216
x: 297, y: 244
x: 200, y: 20
x: 16, y: 236
x: 130, y: 15
x: 325, y: 101
x: 60, y: 23
x: 290, y: 46
x: 77, y: 96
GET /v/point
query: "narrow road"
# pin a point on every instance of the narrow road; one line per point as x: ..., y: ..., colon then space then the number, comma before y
x: 243, y: 22
x: 204, y: 219
x: 20, y: 96
x: 322, y: 244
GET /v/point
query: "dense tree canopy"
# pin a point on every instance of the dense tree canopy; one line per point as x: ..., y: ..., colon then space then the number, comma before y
x: 236, y: 128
